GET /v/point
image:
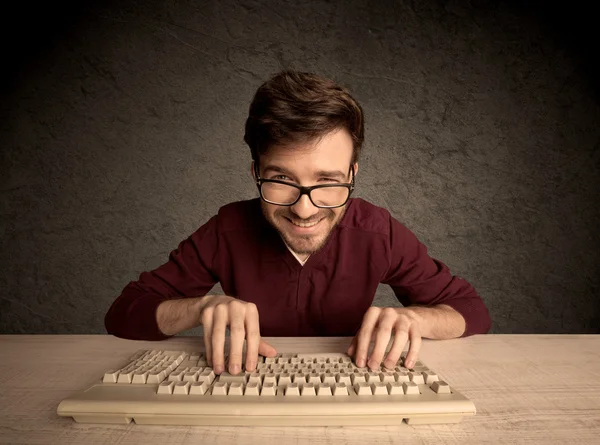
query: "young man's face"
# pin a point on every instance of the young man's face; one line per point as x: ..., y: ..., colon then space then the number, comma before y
x: 326, y: 162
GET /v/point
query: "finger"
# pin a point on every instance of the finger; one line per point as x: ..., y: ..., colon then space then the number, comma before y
x: 364, y: 335
x: 400, y: 339
x: 252, y: 336
x: 237, y: 332
x: 266, y: 349
x: 220, y: 320
x: 207, y: 325
x: 415, y: 346
x: 383, y: 333
x: 352, y: 347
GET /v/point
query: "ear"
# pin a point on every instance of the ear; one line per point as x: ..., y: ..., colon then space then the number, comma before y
x: 355, y: 168
x: 252, y: 171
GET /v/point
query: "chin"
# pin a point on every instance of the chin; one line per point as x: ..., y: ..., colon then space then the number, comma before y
x: 303, y: 245
x: 304, y: 248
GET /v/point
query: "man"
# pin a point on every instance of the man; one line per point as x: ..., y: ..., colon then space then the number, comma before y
x: 305, y: 257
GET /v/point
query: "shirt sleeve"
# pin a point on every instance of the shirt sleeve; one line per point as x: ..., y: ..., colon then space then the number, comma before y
x: 189, y: 272
x: 416, y: 278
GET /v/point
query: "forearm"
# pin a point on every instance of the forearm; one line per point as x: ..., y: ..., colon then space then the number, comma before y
x: 438, y: 322
x: 175, y: 316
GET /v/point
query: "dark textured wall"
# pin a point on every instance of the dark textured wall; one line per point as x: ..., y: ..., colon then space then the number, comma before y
x: 122, y: 130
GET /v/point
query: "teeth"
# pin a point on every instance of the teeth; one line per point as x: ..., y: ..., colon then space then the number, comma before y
x: 306, y: 225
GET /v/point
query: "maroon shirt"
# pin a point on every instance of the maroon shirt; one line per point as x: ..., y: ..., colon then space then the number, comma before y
x: 328, y: 296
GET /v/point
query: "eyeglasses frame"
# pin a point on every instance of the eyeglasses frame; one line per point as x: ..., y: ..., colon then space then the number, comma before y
x: 303, y: 190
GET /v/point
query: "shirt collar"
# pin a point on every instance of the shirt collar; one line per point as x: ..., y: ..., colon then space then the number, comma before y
x: 295, y: 255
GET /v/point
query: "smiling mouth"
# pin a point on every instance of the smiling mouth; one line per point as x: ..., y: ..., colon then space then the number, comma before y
x: 305, y: 225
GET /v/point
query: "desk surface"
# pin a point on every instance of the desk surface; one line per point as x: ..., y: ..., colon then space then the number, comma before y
x: 526, y: 388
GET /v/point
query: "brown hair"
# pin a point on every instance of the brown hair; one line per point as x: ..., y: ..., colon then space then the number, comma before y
x: 297, y: 107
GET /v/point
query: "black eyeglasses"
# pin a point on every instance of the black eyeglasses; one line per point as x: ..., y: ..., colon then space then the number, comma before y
x: 325, y: 196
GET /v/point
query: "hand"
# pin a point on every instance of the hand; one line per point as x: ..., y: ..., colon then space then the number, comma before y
x: 221, y: 311
x: 380, y: 323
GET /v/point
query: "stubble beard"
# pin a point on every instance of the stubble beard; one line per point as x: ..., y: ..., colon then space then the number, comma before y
x: 303, y: 244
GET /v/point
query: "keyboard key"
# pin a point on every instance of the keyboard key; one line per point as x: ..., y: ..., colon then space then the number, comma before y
x: 394, y: 388
x: 372, y: 377
x: 226, y: 377
x: 176, y: 376
x: 219, y: 389
x: 165, y: 388
x: 255, y: 377
x: 328, y: 378
x: 181, y: 388
x: 268, y: 389
x: 207, y: 374
x: 110, y: 376
x: 198, y: 388
x: 236, y: 389
x: 292, y: 390
x: 308, y: 389
x: 343, y: 377
x: 416, y: 377
x: 340, y: 389
x: 363, y: 389
x: 252, y: 389
x: 140, y: 377
x: 299, y: 377
x: 137, y: 355
x: 440, y: 387
x: 358, y: 378
x: 270, y: 377
x: 379, y: 388
x: 125, y: 377
x: 430, y: 377
x: 191, y: 376
x: 314, y: 378
x: 402, y: 376
x: 285, y: 378
x: 410, y: 388
x: 324, y: 389
x: 388, y: 376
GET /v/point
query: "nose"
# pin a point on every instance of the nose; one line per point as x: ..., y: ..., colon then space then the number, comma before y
x: 304, y: 208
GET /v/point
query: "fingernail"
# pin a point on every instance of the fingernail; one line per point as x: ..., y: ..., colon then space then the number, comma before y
x: 410, y: 364
x: 235, y: 369
x: 250, y: 366
x: 360, y: 362
x: 218, y: 369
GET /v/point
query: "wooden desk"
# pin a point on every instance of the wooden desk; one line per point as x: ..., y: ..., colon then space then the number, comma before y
x: 526, y: 388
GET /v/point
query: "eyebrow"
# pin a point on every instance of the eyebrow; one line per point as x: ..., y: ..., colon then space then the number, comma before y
x: 320, y: 173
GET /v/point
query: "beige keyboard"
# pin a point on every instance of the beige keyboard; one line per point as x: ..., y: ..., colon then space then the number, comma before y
x: 178, y: 388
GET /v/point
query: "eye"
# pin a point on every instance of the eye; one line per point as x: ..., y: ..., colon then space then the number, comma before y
x: 328, y: 180
x: 281, y: 178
